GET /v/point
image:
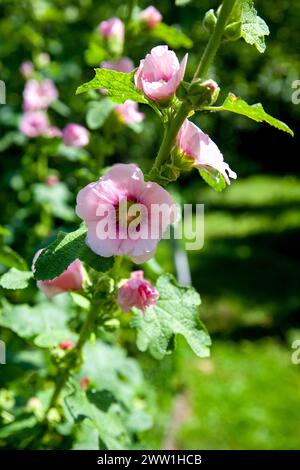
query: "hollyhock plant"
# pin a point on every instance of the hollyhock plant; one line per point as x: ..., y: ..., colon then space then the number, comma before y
x: 151, y: 16
x: 112, y: 28
x: 124, y: 65
x: 204, y: 154
x: 70, y: 280
x: 129, y: 113
x: 39, y: 95
x: 66, y: 345
x: 160, y: 73
x: 137, y: 292
x: 100, y: 204
x: 75, y: 135
x: 53, y: 132
x: 34, y: 123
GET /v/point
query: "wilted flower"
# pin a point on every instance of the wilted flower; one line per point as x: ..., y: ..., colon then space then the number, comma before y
x: 34, y: 123
x: 137, y: 292
x: 202, y: 151
x: 151, y: 16
x: 121, y: 211
x: 160, y: 73
x: 75, y: 135
x: 129, y: 113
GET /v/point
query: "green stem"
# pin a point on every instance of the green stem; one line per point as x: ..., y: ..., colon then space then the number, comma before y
x: 74, y: 353
x: 183, y: 112
x: 215, y: 40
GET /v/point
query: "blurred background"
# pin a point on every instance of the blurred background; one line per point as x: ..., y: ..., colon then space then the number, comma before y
x: 247, y: 395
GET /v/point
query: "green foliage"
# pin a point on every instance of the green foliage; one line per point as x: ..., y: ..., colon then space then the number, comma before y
x: 214, y: 179
x: 119, y: 86
x: 45, y: 323
x: 254, y: 28
x: 63, y: 251
x: 15, y: 279
x: 98, y: 112
x: 11, y: 259
x: 175, y: 313
x: 255, y: 112
x: 172, y: 36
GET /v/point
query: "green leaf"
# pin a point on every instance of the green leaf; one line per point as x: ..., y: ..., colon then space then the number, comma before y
x: 110, y: 428
x: 15, y: 279
x: 172, y: 36
x: 214, y: 179
x: 120, y: 86
x: 98, y: 112
x: 254, y: 28
x: 176, y: 312
x: 11, y: 259
x: 63, y: 251
x: 181, y: 3
x: 255, y: 112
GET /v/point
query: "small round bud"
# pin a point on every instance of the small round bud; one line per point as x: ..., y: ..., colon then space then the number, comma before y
x: 112, y: 325
x: 210, y: 21
x: 203, y: 93
x: 233, y: 31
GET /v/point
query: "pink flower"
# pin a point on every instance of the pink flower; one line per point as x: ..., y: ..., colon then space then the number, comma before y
x: 65, y: 345
x: 112, y: 28
x: 34, y: 123
x: 54, y: 131
x: 128, y: 112
x: 51, y: 180
x: 160, y: 73
x: 193, y: 143
x: 124, y: 65
x: 121, y: 211
x: 137, y: 292
x: 75, y: 135
x: 70, y: 280
x: 151, y: 16
x: 26, y: 69
x: 39, y: 95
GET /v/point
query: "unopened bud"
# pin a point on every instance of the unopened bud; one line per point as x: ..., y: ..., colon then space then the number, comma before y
x: 112, y: 325
x: 203, y: 93
x: 210, y: 21
x: 233, y: 31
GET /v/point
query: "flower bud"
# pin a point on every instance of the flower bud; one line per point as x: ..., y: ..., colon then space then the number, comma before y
x: 233, y: 31
x: 210, y: 21
x: 84, y: 383
x: 203, y: 93
x: 112, y: 325
x: 137, y: 292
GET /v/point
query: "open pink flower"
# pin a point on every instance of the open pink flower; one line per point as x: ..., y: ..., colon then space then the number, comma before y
x: 75, y: 135
x: 193, y: 143
x: 160, y: 73
x: 70, y: 280
x: 34, y: 123
x: 137, y: 292
x: 112, y: 28
x: 124, y: 65
x: 124, y: 214
x: 39, y: 95
x: 129, y: 113
x: 151, y: 16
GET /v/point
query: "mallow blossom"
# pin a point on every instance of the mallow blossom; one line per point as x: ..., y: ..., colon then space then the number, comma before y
x: 26, y: 69
x: 112, y: 28
x: 39, y: 95
x: 151, y: 16
x: 124, y: 65
x: 124, y: 214
x: 137, y: 292
x: 160, y: 73
x: 128, y: 112
x: 34, y: 123
x: 75, y: 135
x: 203, y: 152
x: 70, y: 280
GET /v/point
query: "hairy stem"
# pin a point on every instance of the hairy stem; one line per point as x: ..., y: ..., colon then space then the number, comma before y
x: 183, y: 112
